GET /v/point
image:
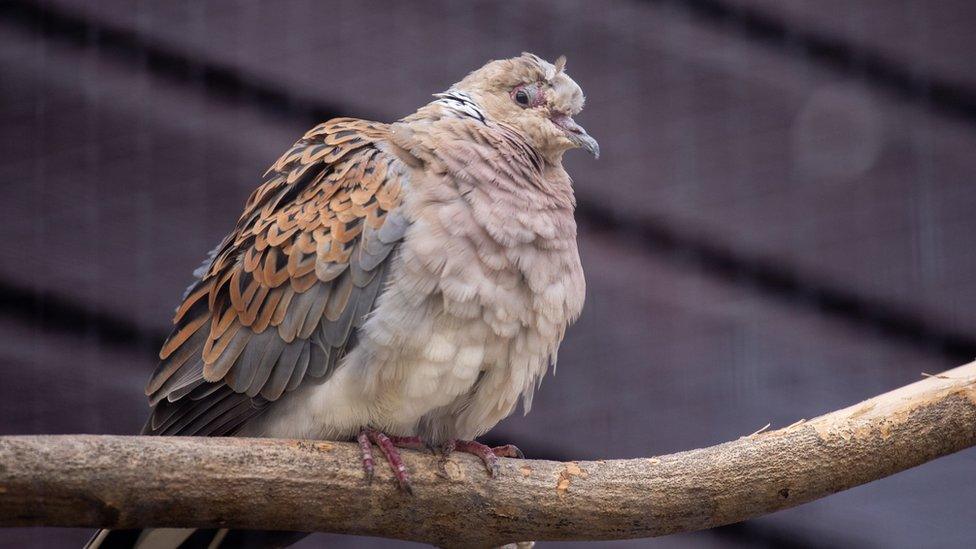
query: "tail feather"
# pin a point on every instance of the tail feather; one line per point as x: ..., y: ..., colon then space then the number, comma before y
x: 149, y: 538
x: 189, y: 538
x: 113, y: 539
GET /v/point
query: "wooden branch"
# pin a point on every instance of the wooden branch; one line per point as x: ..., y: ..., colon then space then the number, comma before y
x: 119, y: 482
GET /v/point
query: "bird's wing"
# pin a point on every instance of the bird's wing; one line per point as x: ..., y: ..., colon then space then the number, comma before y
x: 281, y: 297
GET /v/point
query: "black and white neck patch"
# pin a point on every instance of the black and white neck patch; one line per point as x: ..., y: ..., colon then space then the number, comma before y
x: 462, y: 103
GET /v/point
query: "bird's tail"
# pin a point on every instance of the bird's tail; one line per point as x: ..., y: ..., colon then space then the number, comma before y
x: 154, y: 538
x: 192, y: 538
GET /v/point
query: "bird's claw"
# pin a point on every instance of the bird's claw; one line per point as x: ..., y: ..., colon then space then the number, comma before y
x: 366, y: 438
x: 508, y: 451
x: 389, y: 444
x: 489, y: 456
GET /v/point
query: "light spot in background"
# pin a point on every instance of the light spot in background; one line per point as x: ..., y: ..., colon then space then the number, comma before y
x: 837, y: 134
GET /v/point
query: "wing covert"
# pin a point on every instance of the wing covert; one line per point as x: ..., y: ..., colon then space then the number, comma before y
x: 281, y: 296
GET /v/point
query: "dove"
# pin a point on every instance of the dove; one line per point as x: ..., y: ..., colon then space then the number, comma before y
x: 402, y: 285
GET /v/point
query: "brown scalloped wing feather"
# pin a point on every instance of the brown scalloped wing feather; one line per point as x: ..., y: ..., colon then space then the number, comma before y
x: 287, y: 287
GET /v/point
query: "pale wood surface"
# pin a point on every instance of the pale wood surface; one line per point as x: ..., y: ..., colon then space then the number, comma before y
x: 113, y: 481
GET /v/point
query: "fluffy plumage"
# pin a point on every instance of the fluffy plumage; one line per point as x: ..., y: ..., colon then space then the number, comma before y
x: 416, y: 278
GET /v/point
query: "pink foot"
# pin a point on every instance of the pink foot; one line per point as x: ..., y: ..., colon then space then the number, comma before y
x: 366, y: 449
x: 390, y: 452
x: 412, y: 443
x: 487, y: 454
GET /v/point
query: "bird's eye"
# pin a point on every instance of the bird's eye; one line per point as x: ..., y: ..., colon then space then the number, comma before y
x: 524, y: 95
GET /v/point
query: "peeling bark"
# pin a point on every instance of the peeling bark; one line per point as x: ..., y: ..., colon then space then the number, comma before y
x: 120, y: 482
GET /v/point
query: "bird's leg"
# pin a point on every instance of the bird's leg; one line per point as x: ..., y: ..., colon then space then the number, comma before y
x: 487, y: 454
x: 412, y: 443
x: 389, y: 451
x: 367, y: 451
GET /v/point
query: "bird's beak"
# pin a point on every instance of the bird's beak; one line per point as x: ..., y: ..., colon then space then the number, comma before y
x: 577, y: 134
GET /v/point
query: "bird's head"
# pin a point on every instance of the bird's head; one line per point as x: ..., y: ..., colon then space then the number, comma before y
x: 535, y: 97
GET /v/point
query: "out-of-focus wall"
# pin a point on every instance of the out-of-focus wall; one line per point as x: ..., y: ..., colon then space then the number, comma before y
x: 781, y: 222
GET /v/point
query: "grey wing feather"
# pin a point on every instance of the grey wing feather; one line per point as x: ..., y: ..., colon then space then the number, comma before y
x: 254, y: 325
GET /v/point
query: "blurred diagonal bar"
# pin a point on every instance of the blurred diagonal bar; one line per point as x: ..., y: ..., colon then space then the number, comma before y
x: 125, y: 482
x: 768, y: 276
x: 62, y: 314
x: 943, y: 95
x: 783, y: 282
x: 129, y: 46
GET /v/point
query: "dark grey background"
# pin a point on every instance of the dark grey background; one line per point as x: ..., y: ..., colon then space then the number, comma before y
x: 781, y: 224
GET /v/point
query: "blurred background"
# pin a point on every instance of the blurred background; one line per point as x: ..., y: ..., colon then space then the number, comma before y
x: 781, y: 224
